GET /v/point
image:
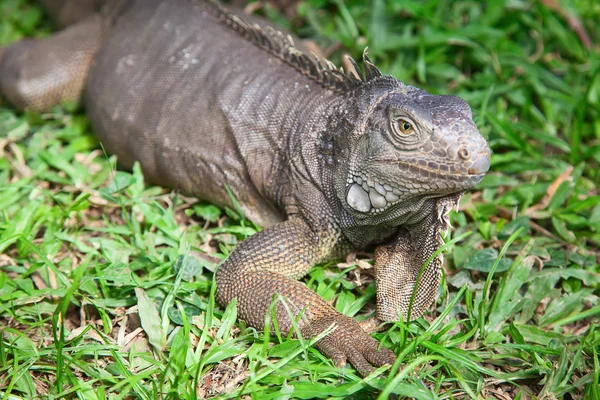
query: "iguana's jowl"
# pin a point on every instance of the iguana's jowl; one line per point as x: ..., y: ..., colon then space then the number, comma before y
x: 366, y: 195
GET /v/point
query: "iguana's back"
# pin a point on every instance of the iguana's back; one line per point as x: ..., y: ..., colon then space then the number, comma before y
x: 201, y: 108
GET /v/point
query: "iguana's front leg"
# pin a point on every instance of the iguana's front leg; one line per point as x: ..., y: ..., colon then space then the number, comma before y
x: 401, y: 267
x: 267, y: 264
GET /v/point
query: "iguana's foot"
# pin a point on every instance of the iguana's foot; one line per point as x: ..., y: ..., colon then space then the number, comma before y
x: 349, y: 342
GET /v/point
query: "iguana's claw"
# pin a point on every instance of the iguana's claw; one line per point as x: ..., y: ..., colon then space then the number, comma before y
x: 348, y: 342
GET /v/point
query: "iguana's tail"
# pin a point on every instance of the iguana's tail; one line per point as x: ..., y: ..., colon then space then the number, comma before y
x: 38, y: 74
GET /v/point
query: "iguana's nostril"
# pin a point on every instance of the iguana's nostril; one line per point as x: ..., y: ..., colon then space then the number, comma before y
x: 464, y: 153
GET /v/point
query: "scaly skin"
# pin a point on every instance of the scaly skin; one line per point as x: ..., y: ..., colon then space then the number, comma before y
x: 328, y: 163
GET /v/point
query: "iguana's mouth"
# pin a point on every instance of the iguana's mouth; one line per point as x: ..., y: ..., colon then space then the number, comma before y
x: 474, y: 171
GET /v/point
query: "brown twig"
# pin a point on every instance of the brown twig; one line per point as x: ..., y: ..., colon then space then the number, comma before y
x: 573, y: 22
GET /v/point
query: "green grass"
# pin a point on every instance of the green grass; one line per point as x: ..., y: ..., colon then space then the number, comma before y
x: 106, y: 283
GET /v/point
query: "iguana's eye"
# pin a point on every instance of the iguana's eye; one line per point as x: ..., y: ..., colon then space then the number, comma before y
x: 403, y: 131
x: 404, y: 127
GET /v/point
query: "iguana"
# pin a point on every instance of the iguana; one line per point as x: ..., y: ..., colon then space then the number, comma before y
x: 327, y: 161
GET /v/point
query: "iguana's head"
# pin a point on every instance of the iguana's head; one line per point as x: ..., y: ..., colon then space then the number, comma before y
x: 401, y: 145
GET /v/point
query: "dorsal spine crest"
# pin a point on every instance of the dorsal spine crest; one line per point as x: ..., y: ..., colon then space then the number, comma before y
x: 279, y: 45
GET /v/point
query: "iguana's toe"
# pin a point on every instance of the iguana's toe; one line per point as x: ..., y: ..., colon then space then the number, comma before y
x: 378, y: 355
x: 349, y: 342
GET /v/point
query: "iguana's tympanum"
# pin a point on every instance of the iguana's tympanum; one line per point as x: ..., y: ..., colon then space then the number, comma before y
x: 327, y: 161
